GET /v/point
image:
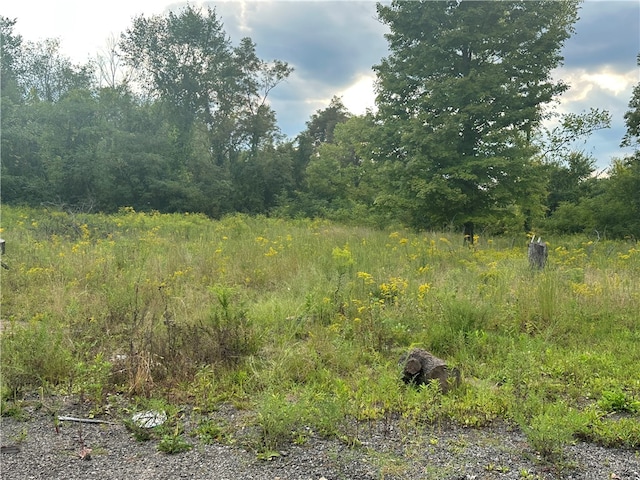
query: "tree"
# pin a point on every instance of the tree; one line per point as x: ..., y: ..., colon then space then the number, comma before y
x: 256, y: 78
x: 111, y: 71
x: 47, y: 75
x: 618, y: 208
x: 616, y: 211
x: 188, y: 61
x: 632, y: 117
x: 183, y: 59
x: 322, y: 124
x: 612, y: 205
x: 460, y: 96
x: 568, y: 166
x: 341, y: 179
x: 37, y: 85
x: 10, y: 47
x: 320, y: 128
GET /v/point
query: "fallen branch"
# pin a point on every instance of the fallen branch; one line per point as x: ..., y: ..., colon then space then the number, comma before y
x: 9, y: 449
x: 84, y: 420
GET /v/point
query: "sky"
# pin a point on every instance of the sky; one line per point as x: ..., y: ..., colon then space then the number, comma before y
x: 333, y: 45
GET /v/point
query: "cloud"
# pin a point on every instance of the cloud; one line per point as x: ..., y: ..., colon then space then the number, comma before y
x: 603, y: 88
x: 606, y: 33
x: 603, y: 80
x: 360, y: 96
x: 332, y: 46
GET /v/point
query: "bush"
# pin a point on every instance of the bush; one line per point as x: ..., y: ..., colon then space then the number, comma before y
x: 35, y: 355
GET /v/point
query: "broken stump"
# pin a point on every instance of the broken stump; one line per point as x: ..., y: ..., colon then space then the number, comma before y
x: 421, y: 367
x: 537, y: 254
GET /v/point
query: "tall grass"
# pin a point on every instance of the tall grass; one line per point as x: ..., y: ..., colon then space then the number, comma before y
x: 284, y: 317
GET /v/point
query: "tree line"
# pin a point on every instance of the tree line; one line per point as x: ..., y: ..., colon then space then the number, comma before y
x: 175, y: 117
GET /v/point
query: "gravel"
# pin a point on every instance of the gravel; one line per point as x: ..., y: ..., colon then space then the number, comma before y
x: 35, y: 449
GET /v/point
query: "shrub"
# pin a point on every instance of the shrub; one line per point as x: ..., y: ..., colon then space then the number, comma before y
x: 35, y: 355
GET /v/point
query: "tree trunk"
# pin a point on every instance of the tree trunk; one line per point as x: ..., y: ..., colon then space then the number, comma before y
x: 468, y: 233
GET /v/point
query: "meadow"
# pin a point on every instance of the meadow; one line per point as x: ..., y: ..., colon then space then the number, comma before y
x: 302, y: 322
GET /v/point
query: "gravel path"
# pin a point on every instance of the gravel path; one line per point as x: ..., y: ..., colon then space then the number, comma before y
x: 33, y: 449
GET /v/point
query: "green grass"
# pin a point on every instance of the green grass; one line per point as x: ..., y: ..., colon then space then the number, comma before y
x: 302, y: 323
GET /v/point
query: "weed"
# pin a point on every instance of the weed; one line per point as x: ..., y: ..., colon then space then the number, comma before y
x: 35, y: 355
x: 92, y: 378
x: 553, y: 428
x: 618, y: 401
x: 270, y: 315
x: 615, y: 433
x: 210, y: 431
x: 174, y: 443
x: 13, y: 409
x: 527, y: 475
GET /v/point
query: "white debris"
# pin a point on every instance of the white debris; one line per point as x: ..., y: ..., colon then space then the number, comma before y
x: 149, y: 419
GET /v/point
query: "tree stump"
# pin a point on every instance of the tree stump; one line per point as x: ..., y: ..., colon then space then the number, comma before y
x: 2, y: 252
x: 538, y: 254
x: 421, y: 367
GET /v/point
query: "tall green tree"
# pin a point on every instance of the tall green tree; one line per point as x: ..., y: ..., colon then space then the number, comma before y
x: 617, y: 210
x: 320, y: 129
x: 568, y: 165
x: 187, y: 60
x: 461, y: 95
x: 256, y: 78
x: 15, y: 142
x: 48, y: 75
x: 632, y: 117
x: 41, y: 96
x: 340, y: 179
x: 322, y: 124
x: 10, y: 47
x: 612, y: 207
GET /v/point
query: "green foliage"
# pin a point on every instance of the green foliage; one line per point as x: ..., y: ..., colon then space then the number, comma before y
x: 632, y: 117
x: 92, y: 378
x: 610, y: 207
x: 615, y: 433
x: 68, y: 140
x: 234, y: 110
x: 616, y: 210
x: 461, y: 98
x: 302, y: 324
x: 553, y: 428
x: 174, y: 443
x: 433, y: 157
x: 618, y: 401
x: 210, y: 431
x: 292, y: 417
x: 35, y: 354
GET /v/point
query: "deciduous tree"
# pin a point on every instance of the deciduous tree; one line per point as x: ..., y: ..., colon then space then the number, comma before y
x: 461, y: 94
x: 189, y: 62
x: 632, y: 117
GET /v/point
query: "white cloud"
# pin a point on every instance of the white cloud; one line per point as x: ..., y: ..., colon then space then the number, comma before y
x: 333, y: 46
x: 612, y: 81
x: 360, y: 95
x: 604, y: 80
x: 82, y: 26
x: 603, y: 88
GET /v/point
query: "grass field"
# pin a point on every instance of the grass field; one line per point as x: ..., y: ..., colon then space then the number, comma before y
x: 302, y: 322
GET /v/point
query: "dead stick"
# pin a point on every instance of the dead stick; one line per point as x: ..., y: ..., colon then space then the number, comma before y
x: 84, y: 420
